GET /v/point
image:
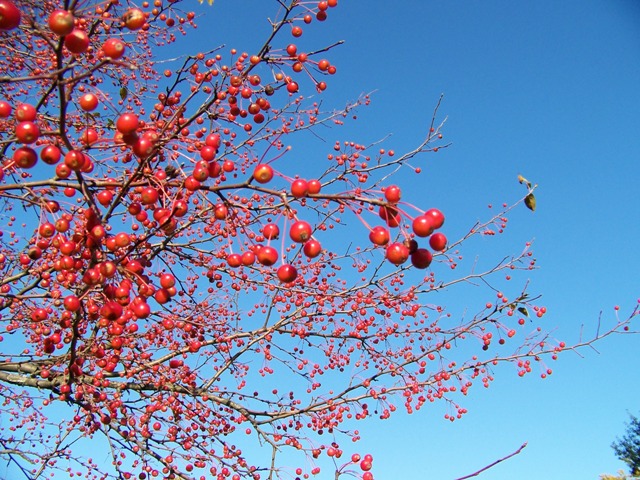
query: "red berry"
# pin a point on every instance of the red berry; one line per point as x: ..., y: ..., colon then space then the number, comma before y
x: 88, y: 102
x: 5, y: 109
x: 300, y: 231
x: 50, y: 154
x: 77, y: 41
x: 25, y: 113
x: 263, y: 173
x: 397, y: 253
x: 423, y: 226
x: 61, y: 22
x: 287, y: 273
x: 114, y: 48
x: 134, y: 19
x: 270, y: 231
x: 299, y: 188
x: 312, y: 248
x: 27, y: 132
x: 379, y: 236
x: 71, y: 303
x: 267, y: 255
x: 421, y: 258
x: 314, y: 187
x: 9, y: 15
x: 234, y: 260
x: 127, y: 123
x: 437, y: 217
x: 248, y: 258
x: 392, y: 194
x: 25, y: 157
x: 438, y: 242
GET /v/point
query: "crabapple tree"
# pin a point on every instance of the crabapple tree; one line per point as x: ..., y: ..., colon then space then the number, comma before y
x: 175, y: 292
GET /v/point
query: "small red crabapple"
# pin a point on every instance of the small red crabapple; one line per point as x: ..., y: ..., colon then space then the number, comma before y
x: 312, y: 248
x: 61, y: 22
x: 397, y: 253
x: 127, y: 123
x: 421, y: 258
x: 287, y: 273
x: 300, y: 231
x: 267, y: 255
x: 437, y: 216
x: 77, y: 41
x: 392, y: 194
x: 9, y: 15
x: 263, y: 173
x: 438, y: 241
x: 270, y: 231
x: 299, y: 188
x: 379, y: 236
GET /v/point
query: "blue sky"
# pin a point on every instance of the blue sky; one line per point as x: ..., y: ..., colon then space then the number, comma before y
x: 547, y: 89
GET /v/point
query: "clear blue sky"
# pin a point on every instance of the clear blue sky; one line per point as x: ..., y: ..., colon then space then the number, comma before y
x: 547, y: 89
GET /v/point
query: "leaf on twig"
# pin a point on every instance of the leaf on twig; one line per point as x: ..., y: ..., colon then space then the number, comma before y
x: 522, y: 180
x: 524, y: 311
x: 530, y: 202
x: 123, y: 93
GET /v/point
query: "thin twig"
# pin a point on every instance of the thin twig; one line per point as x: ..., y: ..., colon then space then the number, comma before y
x: 491, y: 465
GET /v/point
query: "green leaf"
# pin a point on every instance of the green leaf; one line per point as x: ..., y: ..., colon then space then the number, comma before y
x: 123, y: 93
x: 523, y: 311
x: 530, y: 202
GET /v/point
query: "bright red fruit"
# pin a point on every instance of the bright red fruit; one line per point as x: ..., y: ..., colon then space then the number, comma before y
x: 287, y: 273
x: 134, y: 19
x: 114, y: 48
x: 25, y: 157
x: 25, y: 113
x: 379, y: 236
x: 299, y: 188
x: 9, y: 15
x: 5, y: 109
x: 392, y: 194
x: 248, y: 258
x: 71, y: 303
x: 314, y: 187
x: 267, y: 255
x: 390, y: 215
x: 397, y: 253
x: 421, y: 258
x: 300, y: 231
x: 140, y: 308
x: 437, y: 217
x: 423, y: 226
x: 61, y: 22
x: 312, y: 248
x: 167, y: 280
x: 88, y: 102
x: 365, y: 464
x: 263, y: 173
x: 438, y: 242
x: 127, y: 123
x: 234, y: 260
x: 111, y: 310
x: 74, y: 159
x: 270, y: 231
x: 27, y: 132
x: 77, y: 41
